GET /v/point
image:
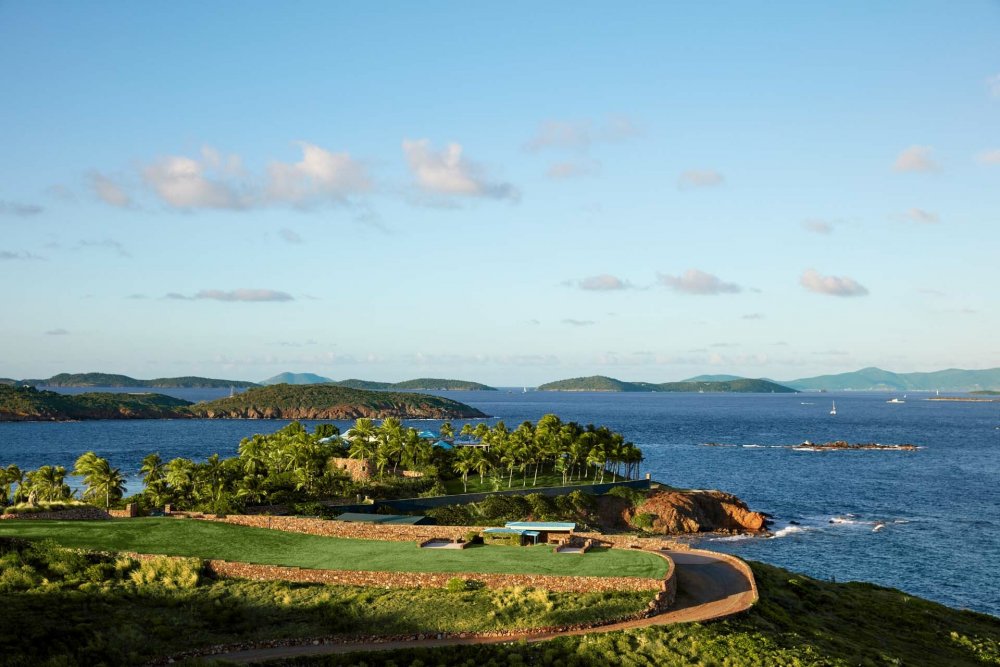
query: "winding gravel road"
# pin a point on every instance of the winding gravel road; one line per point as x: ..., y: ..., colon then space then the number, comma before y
x: 708, y: 587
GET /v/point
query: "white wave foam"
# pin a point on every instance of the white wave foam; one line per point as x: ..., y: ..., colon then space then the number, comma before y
x: 731, y: 538
x: 788, y: 530
x: 754, y: 446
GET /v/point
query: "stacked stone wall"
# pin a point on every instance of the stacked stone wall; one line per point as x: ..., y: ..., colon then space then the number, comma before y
x: 349, y: 529
x: 360, y: 470
x: 76, y: 514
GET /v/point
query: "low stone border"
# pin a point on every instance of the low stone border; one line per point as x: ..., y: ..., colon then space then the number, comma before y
x: 75, y: 514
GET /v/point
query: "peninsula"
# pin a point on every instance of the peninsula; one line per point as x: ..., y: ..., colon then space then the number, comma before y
x: 26, y: 403
x: 604, y: 383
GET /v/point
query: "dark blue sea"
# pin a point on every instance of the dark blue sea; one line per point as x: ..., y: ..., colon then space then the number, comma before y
x: 927, y: 522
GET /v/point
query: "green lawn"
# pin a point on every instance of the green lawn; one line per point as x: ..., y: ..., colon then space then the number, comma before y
x: 190, y: 537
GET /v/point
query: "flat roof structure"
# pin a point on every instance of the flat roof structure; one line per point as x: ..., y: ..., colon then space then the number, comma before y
x: 392, y: 519
x: 547, y: 526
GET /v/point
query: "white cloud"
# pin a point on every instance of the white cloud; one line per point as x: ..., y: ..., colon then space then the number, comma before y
x: 752, y: 316
x: 580, y: 135
x: 602, y: 283
x: 57, y: 332
x: 572, y: 169
x: 989, y: 157
x: 244, y: 295
x: 578, y: 323
x: 698, y: 282
x: 446, y: 172
x: 186, y: 183
x: 109, y: 191
x: 921, y: 216
x: 817, y: 226
x: 290, y: 235
x: 915, y: 159
x: 19, y: 209
x: 813, y: 281
x: 700, y: 178
x: 103, y: 244
x: 993, y: 85
x: 320, y: 175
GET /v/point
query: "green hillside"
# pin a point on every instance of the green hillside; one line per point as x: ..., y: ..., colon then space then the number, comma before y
x: 876, y: 379
x: 442, y: 385
x: 114, y: 380
x: 603, y: 383
x: 295, y: 378
x: 30, y: 404
x: 714, y: 378
x: 368, y: 385
x: 326, y: 401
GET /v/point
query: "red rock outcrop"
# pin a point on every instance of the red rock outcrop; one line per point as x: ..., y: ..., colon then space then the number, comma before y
x: 697, y: 511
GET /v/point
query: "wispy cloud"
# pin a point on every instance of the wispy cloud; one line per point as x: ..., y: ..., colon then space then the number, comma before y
x: 136, y: 296
x: 242, y: 295
x: 447, y: 172
x: 813, y: 281
x: 290, y: 235
x: 572, y: 169
x: 103, y: 244
x: 700, y: 178
x: 8, y: 256
x: 578, y: 323
x: 19, y: 209
x: 580, y: 135
x: 601, y: 283
x: 817, y: 226
x: 109, y: 191
x: 695, y: 281
x: 56, y: 332
x: 752, y: 316
x: 989, y: 157
x: 915, y: 159
x: 921, y: 216
x: 993, y: 85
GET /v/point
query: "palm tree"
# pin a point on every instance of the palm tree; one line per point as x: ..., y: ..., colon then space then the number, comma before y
x: 9, y: 476
x: 464, y: 464
x: 46, y: 483
x: 447, y: 431
x: 151, y: 470
x: 362, y: 437
x: 180, y: 476
x: 480, y: 462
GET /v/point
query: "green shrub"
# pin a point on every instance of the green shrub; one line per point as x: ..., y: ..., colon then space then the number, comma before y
x: 459, y: 585
x: 643, y: 521
x: 169, y: 573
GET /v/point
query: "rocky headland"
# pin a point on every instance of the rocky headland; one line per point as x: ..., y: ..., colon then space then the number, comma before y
x: 668, y: 511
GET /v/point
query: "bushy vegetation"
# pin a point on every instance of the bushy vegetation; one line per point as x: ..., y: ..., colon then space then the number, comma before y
x: 798, y: 621
x: 45, y: 506
x: 62, y: 607
x: 26, y: 402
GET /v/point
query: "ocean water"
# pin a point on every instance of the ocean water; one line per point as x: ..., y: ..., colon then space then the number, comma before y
x: 927, y: 522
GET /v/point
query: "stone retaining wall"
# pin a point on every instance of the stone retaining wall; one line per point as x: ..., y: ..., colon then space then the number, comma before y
x: 351, y: 529
x: 76, y: 514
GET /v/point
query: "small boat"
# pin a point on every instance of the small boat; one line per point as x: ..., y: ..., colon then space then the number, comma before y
x: 833, y: 410
x: 895, y: 400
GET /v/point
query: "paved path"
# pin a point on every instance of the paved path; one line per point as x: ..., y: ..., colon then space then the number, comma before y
x: 708, y: 587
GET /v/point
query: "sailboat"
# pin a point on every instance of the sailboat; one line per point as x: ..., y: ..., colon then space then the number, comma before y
x: 833, y: 410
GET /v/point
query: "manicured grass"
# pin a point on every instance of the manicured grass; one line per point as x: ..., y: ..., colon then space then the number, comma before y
x: 190, y: 537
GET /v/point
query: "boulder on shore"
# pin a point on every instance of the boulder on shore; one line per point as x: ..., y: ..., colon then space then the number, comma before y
x: 675, y: 512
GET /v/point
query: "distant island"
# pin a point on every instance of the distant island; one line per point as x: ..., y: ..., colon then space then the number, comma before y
x: 603, y: 383
x: 25, y: 403
x: 113, y: 380
x: 422, y: 384
x: 876, y: 379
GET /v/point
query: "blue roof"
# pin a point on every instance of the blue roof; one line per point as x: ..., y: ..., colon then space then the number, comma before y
x: 541, y: 525
x: 427, y: 434
x: 443, y: 443
x: 504, y: 531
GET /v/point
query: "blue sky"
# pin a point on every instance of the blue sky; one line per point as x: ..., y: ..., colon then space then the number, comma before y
x: 511, y: 193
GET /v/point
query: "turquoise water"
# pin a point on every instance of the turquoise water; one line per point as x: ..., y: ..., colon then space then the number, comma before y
x: 927, y: 522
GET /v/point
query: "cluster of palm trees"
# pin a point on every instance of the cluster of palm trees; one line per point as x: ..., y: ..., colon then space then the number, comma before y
x: 288, y: 465
x: 568, y: 448
x: 389, y: 444
x: 102, y: 484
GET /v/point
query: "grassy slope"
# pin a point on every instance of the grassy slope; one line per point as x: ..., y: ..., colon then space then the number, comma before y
x: 67, y: 609
x: 100, y: 405
x: 179, y: 537
x: 798, y: 621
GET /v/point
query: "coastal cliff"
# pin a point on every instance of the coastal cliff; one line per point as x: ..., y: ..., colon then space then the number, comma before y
x: 675, y: 512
